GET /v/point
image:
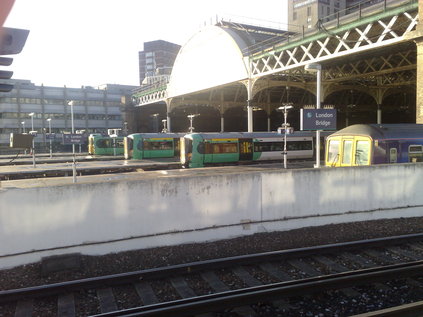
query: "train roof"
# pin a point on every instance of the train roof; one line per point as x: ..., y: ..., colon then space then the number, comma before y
x: 157, y: 135
x: 99, y: 135
x: 383, y: 131
x: 247, y: 135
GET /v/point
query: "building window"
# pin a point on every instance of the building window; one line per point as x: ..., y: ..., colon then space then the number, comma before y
x: 294, y: 16
x: 308, y: 11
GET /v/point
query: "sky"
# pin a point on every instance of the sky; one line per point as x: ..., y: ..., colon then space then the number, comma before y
x: 78, y: 43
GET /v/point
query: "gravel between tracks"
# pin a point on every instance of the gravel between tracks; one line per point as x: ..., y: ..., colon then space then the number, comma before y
x: 30, y: 275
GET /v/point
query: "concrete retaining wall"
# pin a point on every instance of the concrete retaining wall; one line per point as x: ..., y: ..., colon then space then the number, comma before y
x: 99, y: 218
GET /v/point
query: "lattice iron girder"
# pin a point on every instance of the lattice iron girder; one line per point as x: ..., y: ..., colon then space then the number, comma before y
x: 373, y: 32
x: 373, y: 66
x: 371, y: 84
x: 153, y: 97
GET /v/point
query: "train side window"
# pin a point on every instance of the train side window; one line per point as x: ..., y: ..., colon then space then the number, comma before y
x: 415, y: 153
x: 216, y: 148
x: 347, y: 152
x: 103, y: 143
x: 299, y: 145
x: 157, y: 145
x: 119, y: 143
x: 362, y: 150
x: 333, y: 151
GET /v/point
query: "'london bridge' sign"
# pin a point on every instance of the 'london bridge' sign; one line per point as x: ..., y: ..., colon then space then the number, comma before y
x: 318, y: 119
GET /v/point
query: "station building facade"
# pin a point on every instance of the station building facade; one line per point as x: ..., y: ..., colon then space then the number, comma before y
x: 95, y: 110
x: 305, y: 14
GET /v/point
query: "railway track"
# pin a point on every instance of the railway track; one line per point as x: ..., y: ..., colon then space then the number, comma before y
x: 278, y: 283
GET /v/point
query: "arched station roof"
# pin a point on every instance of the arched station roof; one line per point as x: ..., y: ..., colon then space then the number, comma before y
x: 212, y: 57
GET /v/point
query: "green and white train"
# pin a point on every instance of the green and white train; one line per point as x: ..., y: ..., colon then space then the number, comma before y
x: 99, y: 144
x: 207, y: 149
x: 140, y: 146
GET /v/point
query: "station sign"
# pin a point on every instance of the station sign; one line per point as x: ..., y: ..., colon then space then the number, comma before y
x: 318, y: 119
x: 74, y: 138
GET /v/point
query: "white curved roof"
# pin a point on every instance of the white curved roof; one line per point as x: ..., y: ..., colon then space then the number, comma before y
x: 211, y: 58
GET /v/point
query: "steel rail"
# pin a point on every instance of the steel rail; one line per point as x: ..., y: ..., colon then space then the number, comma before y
x: 407, y: 310
x: 189, y: 268
x: 266, y: 293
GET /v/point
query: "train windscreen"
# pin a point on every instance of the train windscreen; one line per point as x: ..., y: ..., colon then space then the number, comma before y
x: 333, y: 151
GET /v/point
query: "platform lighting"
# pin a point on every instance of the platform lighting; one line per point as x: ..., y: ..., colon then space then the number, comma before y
x: 71, y: 104
x: 191, y: 119
x: 285, y: 128
x: 49, y: 133
x: 317, y: 68
x: 23, y: 126
x: 164, y: 130
x: 33, y: 138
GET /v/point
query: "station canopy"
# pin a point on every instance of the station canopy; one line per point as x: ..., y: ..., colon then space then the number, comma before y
x: 215, y: 56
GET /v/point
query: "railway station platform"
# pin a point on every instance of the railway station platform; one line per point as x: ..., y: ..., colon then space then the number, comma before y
x: 103, y: 214
x: 85, y: 165
x: 43, y: 158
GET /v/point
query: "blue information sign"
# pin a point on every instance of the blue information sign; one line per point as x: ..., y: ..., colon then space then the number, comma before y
x: 318, y: 119
x: 74, y: 138
x: 50, y: 136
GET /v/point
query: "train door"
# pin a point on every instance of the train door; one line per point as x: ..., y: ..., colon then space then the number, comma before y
x: 144, y: 147
x: 245, y: 149
x: 393, y: 155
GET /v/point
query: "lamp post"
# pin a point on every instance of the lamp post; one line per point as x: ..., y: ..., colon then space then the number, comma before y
x: 317, y: 68
x: 285, y: 128
x: 155, y: 124
x: 49, y: 136
x: 33, y: 138
x: 71, y: 103
x: 32, y: 120
x: 191, y: 119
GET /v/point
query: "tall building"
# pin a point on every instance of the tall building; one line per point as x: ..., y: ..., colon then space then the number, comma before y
x: 95, y: 109
x: 157, y: 58
x: 304, y: 14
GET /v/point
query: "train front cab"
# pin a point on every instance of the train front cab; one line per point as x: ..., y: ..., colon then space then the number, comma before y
x: 185, y: 151
x: 91, y: 144
x: 128, y: 143
x: 348, y: 151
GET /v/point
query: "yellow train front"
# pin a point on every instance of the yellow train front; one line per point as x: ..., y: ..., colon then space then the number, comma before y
x: 368, y: 144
